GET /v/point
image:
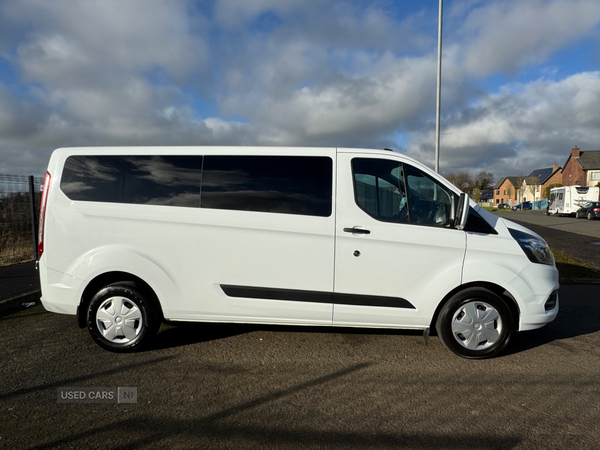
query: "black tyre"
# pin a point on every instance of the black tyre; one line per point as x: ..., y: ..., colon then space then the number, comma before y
x: 121, y: 319
x: 475, y: 324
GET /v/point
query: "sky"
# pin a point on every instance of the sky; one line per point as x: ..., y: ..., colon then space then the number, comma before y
x: 520, y: 78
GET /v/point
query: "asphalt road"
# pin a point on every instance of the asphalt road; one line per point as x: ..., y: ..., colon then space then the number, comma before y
x: 226, y: 386
x: 569, y: 224
x: 18, y: 280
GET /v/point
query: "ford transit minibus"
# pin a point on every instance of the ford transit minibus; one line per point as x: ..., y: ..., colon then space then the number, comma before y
x: 133, y: 236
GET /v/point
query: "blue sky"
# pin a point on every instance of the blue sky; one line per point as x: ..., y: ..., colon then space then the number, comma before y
x: 521, y: 78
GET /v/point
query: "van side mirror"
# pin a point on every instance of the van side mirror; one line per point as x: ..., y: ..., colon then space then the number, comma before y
x: 462, y: 212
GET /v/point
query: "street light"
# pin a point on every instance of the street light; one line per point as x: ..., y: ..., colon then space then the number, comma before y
x: 439, y: 91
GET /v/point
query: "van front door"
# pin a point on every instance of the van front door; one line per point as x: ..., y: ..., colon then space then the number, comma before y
x: 397, y: 252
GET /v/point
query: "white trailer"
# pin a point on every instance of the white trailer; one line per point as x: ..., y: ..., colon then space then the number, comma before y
x: 567, y: 200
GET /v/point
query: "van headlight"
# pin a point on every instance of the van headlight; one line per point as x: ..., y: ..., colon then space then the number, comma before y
x: 535, y: 248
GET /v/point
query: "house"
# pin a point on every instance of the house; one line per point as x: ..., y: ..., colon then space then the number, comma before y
x: 534, y: 185
x: 582, y: 168
x: 487, y: 196
x: 505, y: 191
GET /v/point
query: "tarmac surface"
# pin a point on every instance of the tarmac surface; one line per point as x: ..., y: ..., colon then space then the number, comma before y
x: 18, y: 280
x: 248, y: 387
x: 259, y: 387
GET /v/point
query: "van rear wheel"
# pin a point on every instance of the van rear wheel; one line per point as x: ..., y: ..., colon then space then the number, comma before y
x: 475, y: 324
x: 121, y: 319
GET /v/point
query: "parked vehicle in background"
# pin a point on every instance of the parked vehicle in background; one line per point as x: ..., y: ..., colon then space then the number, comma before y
x: 524, y: 205
x: 503, y: 206
x: 131, y: 236
x: 567, y: 200
x: 590, y: 210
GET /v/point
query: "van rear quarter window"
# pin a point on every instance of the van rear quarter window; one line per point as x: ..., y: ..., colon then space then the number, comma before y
x: 147, y: 180
x: 280, y: 184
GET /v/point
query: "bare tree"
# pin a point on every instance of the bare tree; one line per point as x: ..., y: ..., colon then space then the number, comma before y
x: 519, y: 189
x: 532, y: 184
x: 484, y: 180
x: 461, y: 180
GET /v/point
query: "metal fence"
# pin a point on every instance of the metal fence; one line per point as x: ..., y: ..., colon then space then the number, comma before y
x: 20, y: 198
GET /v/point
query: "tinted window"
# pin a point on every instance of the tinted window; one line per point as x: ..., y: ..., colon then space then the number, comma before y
x: 379, y: 189
x: 429, y: 202
x: 280, y: 184
x: 393, y: 192
x: 148, y: 180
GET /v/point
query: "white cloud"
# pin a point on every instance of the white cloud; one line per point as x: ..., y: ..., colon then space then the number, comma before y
x: 525, y: 127
x: 505, y: 35
x: 90, y: 43
x: 283, y: 72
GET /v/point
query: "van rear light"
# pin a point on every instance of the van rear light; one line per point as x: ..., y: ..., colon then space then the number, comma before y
x: 43, y: 215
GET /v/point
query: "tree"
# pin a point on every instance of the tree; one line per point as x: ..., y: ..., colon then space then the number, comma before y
x: 484, y: 180
x: 532, y: 183
x: 461, y: 180
x: 519, y: 189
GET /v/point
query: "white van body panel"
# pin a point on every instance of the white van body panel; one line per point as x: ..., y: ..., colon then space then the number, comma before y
x: 500, y: 261
x: 395, y: 260
x: 185, y: 254
x: 190, y: 256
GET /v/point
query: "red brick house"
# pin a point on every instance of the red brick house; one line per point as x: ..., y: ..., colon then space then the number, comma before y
x: 582, y: 168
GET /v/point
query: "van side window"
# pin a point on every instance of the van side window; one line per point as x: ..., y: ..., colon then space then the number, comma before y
x: 429, y: 202
x: 278, y: 184
x: 379, y: 189
x: 394, y: 192
x: 147, y: 180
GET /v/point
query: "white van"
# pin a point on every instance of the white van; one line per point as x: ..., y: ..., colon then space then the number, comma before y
x: 133, y: 236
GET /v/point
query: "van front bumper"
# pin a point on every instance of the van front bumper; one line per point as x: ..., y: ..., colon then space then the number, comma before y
x: 536, y: 290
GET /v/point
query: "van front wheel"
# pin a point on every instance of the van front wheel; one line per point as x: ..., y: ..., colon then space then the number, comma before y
x: 121, y: 319
x: 475, y: 324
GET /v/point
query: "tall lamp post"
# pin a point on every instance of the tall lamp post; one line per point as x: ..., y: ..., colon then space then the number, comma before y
x: 439, y: 91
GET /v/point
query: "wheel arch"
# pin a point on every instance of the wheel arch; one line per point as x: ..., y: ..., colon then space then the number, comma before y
x: 498, y: 290
x: 108, y: 278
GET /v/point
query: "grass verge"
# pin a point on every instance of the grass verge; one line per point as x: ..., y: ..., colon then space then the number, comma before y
x: 570, y: 268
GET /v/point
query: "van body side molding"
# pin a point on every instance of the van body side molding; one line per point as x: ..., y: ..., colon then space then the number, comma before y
x: 296, y: 295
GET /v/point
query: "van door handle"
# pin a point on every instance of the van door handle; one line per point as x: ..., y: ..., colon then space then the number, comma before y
x: 357, y: 230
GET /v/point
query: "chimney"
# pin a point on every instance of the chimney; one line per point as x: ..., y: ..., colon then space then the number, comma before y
x: 555, y: 167
x: 576, y: 152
